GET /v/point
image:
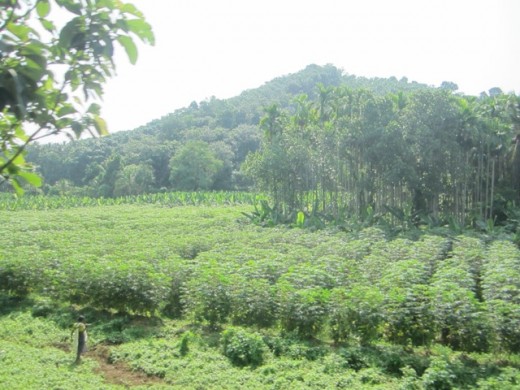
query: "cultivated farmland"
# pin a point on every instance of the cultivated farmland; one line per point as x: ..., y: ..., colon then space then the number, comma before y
x: 196, y: 297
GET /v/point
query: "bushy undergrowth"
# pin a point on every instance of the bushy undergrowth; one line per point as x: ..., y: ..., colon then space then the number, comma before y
x: 242, y: 347
x: 235, y: 357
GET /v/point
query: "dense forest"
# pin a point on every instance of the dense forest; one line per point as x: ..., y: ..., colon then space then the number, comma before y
x: 322, y: 143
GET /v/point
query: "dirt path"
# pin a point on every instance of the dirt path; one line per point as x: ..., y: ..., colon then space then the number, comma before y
x: 115, y: 373
x: 120, y: 373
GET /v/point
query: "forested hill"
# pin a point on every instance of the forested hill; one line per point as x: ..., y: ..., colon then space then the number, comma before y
x: 248, y: 107
x: 136, y: 161
x: 358, y: 145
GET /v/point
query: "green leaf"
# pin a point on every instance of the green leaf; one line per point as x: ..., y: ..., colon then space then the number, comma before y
x: 130, y: 47
x: 70, y: 6
x: 70, y: 31
x: 16, y: 90
x: 77, y: 128
x: 20, y: 31
x: 101, y: 125
x: 43, y: 8
x: 17, y: 187
x: 31, y: 178
x: 142, y: 29
x: 94, y: 108
x: 106, y: 49
x: 66, y: 110
x: 20, y: 133
x: 33, y: 70
x: 62, y: 123
x: 48, y: 25
x: 130, y: 9
x: 37, y: 51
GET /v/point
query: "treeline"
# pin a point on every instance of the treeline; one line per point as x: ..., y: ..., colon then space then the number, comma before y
x: 132, y: 164
x: 323, y: 144
x: 199, y: 147
x: 428, y: 156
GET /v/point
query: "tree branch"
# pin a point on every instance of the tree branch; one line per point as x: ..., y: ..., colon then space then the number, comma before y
x: 20, y: 150
x: 33, y: 136
x: 11, y: 18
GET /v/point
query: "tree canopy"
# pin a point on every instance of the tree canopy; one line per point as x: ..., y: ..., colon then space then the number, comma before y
x: 428, y: 156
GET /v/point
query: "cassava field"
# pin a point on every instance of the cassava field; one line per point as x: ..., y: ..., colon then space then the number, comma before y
x: 190, y: 294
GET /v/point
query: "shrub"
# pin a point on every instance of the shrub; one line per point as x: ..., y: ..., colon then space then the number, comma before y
x: 501, y: 290
x: 508, y: 379
x: 254, y: 302
x: 406, y: 308
x: 179, y: 272
x: 303, y: 311
x: 207, y: 296
x: 354, y: 358
x: 44, y: 308
x: 355, y: 313
x: 132, y: 286
x: 243, y: 348
x: 17, y: 277
x: 14, y: 281
x: 457, y: 313
x: 439, y: 376
x: 184, y: 347
x: 448, y: 370
x: 505, y: 318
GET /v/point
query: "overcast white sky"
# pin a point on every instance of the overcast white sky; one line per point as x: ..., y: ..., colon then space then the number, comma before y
x: 219, y: 48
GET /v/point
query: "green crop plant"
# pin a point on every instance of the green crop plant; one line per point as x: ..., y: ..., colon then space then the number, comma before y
x: 207, y: 296
x: 501, y: 291
x: 334, y: 309
x: 169, y: 199
x: 356, y: 313
x: 243, y: 348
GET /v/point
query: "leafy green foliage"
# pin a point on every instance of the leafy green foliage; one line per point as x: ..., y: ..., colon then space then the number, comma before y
x: 170, y: 199
x: 344, y: 150
x: 356, y: 312
x: 393, y: 160
x: 208, y: 295
x: 207, y: 265
x: 49, y: 75
x: 254, y: 302
x: 406, y: 309
x: 120, y: 285
x: 134, y: 180
x: 169, y: 355
x: 15, y: 279
x: 457, y: 311
x: 337, y: 148
x: 303, y: 310
x: 501, y: 290
x: 194, y: 167
x: 242, y: 347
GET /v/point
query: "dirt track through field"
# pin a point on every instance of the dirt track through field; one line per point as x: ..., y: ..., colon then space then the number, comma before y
x: 117, y: 373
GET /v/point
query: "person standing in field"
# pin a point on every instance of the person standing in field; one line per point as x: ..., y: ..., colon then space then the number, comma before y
x: 81, y: 328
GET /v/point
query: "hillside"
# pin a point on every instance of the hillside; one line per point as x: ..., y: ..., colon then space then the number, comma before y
x: 229, y: 126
